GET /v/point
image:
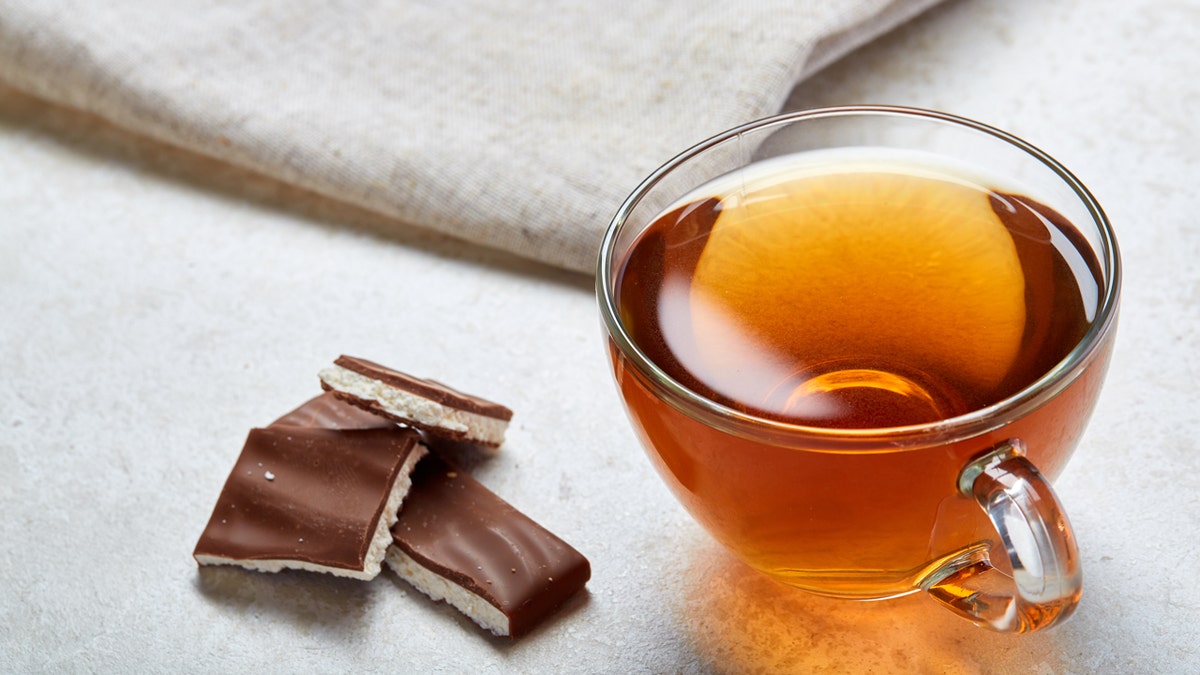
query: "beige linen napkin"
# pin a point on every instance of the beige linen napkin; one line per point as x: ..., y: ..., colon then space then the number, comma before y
x: 518, y: 124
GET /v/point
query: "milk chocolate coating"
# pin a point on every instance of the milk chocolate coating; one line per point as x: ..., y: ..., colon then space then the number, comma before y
x: 458, y: 529
x: 307, y: 494
x: 430, y: 389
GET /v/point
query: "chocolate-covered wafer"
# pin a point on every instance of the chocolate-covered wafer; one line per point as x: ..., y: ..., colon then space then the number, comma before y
x: 457, y: 541
x: 303, y: 497
x: 426, y: 404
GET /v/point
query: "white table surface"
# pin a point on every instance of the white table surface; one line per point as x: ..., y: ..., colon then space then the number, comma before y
x: 154, y: 306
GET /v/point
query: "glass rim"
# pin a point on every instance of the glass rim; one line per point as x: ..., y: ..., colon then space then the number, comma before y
x: 976, y: 422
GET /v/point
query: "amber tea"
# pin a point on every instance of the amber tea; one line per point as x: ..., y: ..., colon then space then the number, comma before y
x: 858, y: 343
x: 845, y: 289
x: 853, y: 290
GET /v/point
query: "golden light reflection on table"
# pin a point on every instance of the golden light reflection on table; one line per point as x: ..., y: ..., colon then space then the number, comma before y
x: 740, y: 620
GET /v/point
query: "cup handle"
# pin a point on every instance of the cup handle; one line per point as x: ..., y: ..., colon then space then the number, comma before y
x: 1046, y: 579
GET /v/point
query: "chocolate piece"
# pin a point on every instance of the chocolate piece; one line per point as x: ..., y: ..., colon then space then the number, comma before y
x: 457, y: 541
x: 454, y: 540
x: 311, y: 498
x: 425, y: 404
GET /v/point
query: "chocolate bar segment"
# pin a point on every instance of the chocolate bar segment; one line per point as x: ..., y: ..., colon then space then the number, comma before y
x: 457, y: 541
x: 311, y: 498
x: 426, y: 404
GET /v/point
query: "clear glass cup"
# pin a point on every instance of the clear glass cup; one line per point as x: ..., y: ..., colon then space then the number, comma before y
x: 960, y: 508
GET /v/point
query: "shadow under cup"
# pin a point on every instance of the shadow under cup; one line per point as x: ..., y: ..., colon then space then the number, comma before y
x: 959, y: 507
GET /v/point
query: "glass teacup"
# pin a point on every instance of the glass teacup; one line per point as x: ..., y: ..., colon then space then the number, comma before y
x: 857, y: 343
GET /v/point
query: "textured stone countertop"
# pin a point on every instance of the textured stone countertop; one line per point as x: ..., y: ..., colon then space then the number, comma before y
x: 154, y: 306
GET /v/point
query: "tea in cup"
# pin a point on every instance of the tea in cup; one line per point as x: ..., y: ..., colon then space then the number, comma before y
x: 857, y: 342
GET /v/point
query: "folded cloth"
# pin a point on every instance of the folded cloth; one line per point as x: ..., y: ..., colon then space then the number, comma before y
x: 517, y: 124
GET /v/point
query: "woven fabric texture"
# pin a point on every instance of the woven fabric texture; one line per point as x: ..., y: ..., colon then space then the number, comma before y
x: 516, y: 124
